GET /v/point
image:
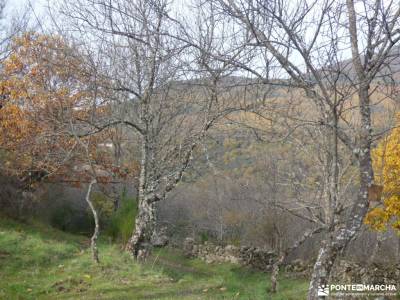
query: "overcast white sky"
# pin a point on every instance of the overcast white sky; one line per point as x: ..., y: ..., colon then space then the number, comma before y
x: 17, y: 5
x: 40, y: 4
x: 14, y: 7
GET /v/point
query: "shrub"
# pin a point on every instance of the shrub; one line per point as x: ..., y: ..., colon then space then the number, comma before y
x: 121, y: 224
x: 204, y: 236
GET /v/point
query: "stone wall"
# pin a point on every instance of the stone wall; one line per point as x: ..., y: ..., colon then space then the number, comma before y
x: 251, y: 256
x: 346, y: 272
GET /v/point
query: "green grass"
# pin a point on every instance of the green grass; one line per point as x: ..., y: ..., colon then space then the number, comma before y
x: 38, y: 262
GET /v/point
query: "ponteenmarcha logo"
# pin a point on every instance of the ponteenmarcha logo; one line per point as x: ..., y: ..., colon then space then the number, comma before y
x: 360, y: 288
x: 323, y: 290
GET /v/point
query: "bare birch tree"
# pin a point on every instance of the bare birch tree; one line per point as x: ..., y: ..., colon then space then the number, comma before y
x: 169, y: 94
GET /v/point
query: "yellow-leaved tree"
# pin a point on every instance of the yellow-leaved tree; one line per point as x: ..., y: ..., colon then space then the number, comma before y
x: 386, y: 162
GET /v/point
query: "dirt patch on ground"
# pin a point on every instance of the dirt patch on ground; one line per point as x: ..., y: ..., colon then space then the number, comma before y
x: 4, y: 254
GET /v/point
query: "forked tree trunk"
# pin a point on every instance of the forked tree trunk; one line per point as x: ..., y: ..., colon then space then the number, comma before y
x: 139, y: 245
x: 93, y: 241
x: 342, y: 237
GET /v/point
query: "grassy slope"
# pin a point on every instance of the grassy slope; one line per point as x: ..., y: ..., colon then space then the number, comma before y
x: 38, y: 262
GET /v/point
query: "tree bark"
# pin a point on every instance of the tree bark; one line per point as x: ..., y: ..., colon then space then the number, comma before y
x: 285, y: 253
x: 340, y: 238
x: 139, y: 245
x: 93, y: 240
x: 331, y: 249
x: 275, y: 273
x: 322, y: 269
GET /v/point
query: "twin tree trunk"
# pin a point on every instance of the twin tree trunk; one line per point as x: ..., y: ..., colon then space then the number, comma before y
x: 337, y: 240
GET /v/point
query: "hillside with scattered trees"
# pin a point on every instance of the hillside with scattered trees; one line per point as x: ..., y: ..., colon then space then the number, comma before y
x: 216, y: 149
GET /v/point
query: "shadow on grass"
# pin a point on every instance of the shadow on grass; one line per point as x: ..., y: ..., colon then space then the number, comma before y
x: 42, y: 231
x: 32, y: 247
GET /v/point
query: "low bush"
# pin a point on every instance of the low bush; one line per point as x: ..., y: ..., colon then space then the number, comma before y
x: 121, y: 223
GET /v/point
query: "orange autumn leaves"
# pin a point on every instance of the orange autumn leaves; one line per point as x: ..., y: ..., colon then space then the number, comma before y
x: 386, y: 162
x: 44, y: 91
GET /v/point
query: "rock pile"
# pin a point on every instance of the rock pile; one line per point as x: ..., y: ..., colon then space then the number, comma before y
x: 351, y: 272
x: 298, y: 266
x: 160, y: 237
x: 258, y: 258
x: 252, y: 256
